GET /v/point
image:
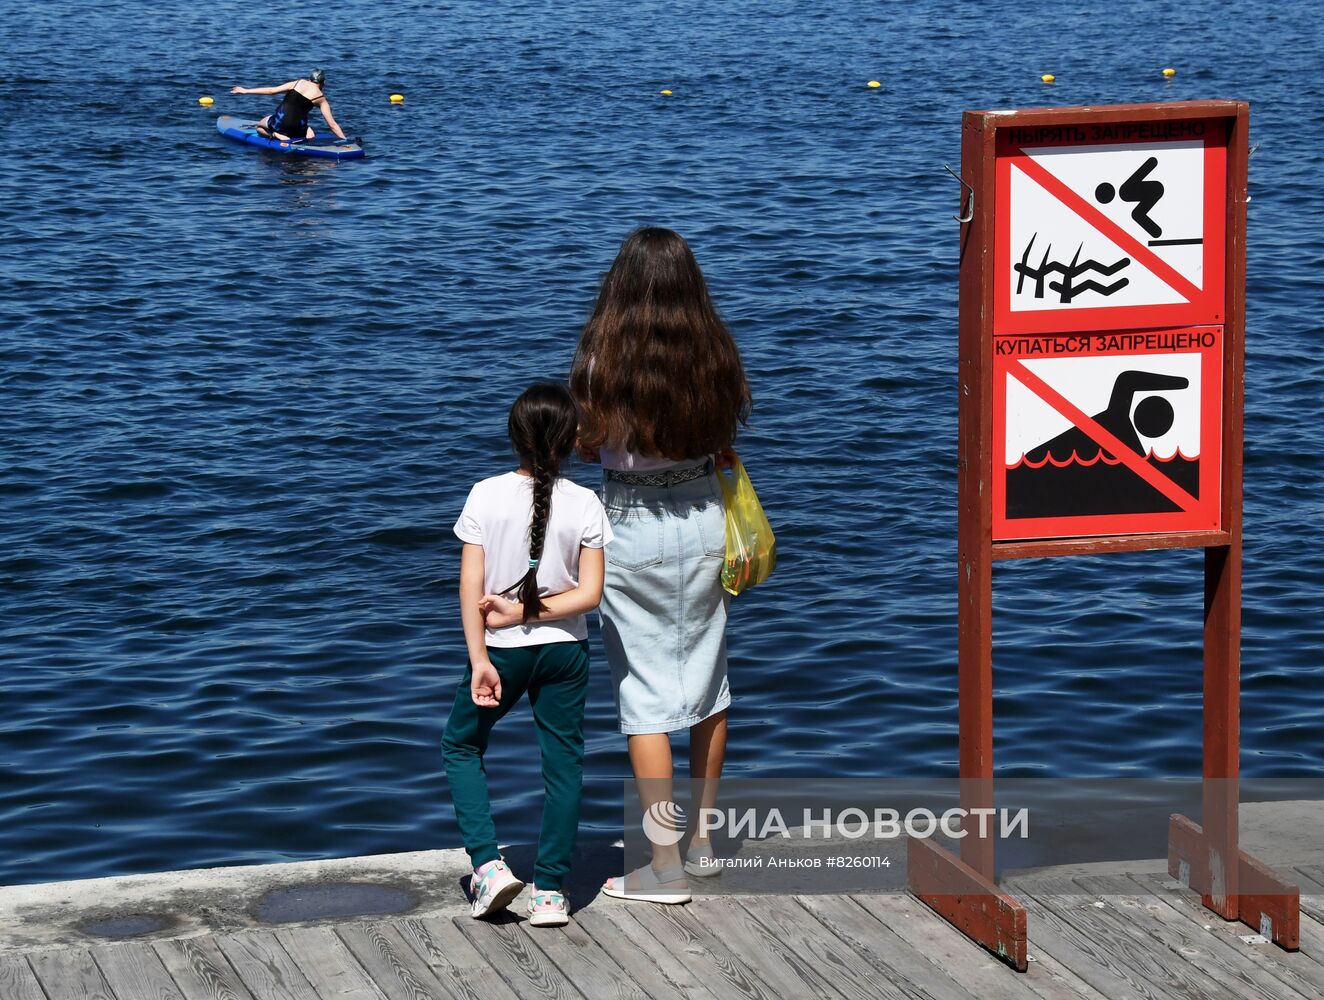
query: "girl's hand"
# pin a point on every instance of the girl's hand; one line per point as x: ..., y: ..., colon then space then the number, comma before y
x: 485, y: 685
x: 237, y: 90
x: 498, y: 612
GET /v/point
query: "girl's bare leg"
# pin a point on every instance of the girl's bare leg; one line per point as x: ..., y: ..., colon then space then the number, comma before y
x: 707, y: 754
x: 650, y: 759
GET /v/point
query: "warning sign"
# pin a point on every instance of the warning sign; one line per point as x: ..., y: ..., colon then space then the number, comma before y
x: 1111, y: 234
x: 1107, y: 433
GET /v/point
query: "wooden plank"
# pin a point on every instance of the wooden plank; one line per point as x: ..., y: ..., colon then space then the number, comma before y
x: 1109, y: 954
x: 70, y: 974
x: 1304, y: 964
x: 845, y: 935
x: 393, y: 965
x: 855, y: 969
x: 969, y: 901
x: 200, y: 970
x: 264, y: 966
x: 1052, y: 980
x: 1310, y: 878
x: 1150, y: 914
x: 974, y: 968
x: 1312, y: 890
x: 17, y: 981
x: 1085, y: 956
x: 662, y: 972
x: 1312, y: 907
x: 671, y: 931
x: 524, y: 968
x: 592, y: 970
x: 330, y: 967
x: 133, y: 970
x: 776, y: 961
x: 452, y: 959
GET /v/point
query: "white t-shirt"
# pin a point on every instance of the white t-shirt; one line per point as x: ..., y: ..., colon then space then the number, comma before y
x: 497, y: 515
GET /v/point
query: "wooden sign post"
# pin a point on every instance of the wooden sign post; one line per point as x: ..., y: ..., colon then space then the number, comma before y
x: 1102, y: 315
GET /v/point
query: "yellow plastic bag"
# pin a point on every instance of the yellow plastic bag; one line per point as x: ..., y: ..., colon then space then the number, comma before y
x: 751, y: 549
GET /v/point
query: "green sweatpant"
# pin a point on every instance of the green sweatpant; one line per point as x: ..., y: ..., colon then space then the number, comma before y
x: 556, y: 677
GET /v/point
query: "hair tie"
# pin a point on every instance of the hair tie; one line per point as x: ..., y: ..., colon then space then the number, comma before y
x: 533, y: 564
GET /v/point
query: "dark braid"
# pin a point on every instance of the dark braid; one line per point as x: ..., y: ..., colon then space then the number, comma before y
x: 543, y: 423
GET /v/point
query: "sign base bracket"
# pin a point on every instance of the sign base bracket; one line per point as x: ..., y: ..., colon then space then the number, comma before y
x: 1263, y: 899
x: 967, y: 900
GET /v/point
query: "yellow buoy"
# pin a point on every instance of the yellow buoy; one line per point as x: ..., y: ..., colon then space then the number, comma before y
x: 397, y: 98
x: 1048, y: 78
x: 205, y: 101
x: 1169, y: 72
x: 874, y: 84
x: 665, y: 93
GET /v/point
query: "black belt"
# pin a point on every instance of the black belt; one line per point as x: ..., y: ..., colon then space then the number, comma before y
x: 664, y: 477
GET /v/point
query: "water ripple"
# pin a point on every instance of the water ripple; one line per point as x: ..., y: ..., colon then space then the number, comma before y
x: 245, y: 397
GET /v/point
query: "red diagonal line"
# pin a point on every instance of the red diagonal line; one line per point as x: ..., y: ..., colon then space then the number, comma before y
x: 1138, y: 251
x: 1103, y: 437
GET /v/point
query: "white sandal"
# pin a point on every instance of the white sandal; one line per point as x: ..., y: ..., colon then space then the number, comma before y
x: 702, y: 863
x: 651, y: 886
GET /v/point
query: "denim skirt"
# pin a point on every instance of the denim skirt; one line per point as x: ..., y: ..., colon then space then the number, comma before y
x: 663, y: 607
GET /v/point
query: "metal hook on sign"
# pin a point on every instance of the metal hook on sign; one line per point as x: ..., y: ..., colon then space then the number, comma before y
x: 969, y: 213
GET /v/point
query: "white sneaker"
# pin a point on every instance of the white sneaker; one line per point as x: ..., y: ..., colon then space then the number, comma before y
x: 548, y: 908
x: 494, y: 886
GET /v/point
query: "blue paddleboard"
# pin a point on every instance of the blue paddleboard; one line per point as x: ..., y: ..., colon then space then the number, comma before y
x: 328, y: 147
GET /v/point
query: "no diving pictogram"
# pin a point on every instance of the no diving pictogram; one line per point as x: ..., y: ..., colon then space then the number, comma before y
x: 1107, y: 433
x: 1107, y: 235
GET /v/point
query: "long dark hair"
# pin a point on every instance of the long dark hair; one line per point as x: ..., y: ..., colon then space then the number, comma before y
x: 657, y: 371
x: 542, y: 427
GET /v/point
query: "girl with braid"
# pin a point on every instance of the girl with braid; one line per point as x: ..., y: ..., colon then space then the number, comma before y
x: 531, y: 567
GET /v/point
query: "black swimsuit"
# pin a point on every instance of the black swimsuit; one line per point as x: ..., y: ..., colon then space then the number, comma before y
x: 291, y: 118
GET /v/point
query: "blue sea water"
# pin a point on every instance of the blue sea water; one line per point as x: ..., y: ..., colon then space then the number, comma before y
x: 244, y: 398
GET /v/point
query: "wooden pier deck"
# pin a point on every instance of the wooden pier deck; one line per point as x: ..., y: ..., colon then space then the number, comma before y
x: 1102, y: 937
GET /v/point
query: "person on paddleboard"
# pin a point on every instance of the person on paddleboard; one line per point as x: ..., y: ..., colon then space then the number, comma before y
x: 290, y: 120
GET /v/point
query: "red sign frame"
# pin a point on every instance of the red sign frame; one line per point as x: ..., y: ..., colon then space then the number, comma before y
x: 1206, y: 856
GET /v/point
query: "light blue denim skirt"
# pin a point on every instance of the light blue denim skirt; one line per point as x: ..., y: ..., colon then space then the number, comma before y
x: 663, y: 607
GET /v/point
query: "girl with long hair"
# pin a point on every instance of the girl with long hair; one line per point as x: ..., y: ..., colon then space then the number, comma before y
x: 530, y: 569
x: 662, y: 392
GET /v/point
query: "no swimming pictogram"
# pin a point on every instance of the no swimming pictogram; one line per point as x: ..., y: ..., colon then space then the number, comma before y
x: 1099, y: 231
x: 1107, y: 433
